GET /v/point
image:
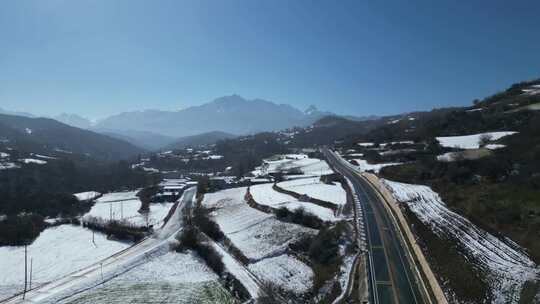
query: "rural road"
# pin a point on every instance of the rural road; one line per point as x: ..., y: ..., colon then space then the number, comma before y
x: 390, y: 275
x: 112, y: 266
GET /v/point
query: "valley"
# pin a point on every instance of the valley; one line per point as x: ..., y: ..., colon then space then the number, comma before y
x: 396, y: 209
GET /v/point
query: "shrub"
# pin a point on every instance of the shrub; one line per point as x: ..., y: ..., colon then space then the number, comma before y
x: 146, y: 195
x: 16, y: 230
x: 189, y: 239
x: 201, y: 219
x: 121, y: 230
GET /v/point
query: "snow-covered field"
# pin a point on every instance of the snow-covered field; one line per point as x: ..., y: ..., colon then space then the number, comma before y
x: 470, y: 141
x: 363, y: 165
x: 265, y: 195
x: 301, y: 162
x: 128, y: 210
x: 505, y: 264
x: 262, y: 238
x: 167, y: 277
x: 284, y: 270
x: 87, y: 196
x: 256, y: 233
x: 118, y: 196
x: 56, y: 252
x: 314, y: 188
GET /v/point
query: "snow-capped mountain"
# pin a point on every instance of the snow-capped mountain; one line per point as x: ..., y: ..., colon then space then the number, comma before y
x: 232, y: 114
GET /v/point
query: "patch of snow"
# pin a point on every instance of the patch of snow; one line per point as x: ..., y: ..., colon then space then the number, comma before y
x: 8, y: 165
x: 43, y: 156
x: 153, y: 170
x: 470, y: 141
x: 402, y: 142
x: 128, y: 210
x: 363, y: 165
x: 314, y: 188
x: 494, y: 146
x: 28, y: 131
x: 365, y: 144
x: 265, y: 195
x: 87, y: 196
x: 310, y: 166
x: 296, y: 156
x: 63, y: 151
x: 506, y: 265
x: 447, y: 157
x: 4, y: 155
x: 118, y: 196
x: 286, y: 271
x: 33, y: 161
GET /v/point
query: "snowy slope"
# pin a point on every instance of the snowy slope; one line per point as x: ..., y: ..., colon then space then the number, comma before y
x: 314, y: 188
x: 167, y: 277
x: 248, y: 280
x: 256, y: 233
x: 283, y: 163
x: 470, y: 141
x: 265, y: 195
x: 128, y: 210
x: 56, y: 252
x: 506, y: 265
x: 284, y: 270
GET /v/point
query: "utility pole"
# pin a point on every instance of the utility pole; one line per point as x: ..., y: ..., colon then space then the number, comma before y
x: 110, y: 211
x: 25, y: 269
x: 31, y: 273
x: 101, y: 265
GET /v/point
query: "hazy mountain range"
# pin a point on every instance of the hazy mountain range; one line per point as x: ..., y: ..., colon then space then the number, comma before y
x: 225, y: 117
x: 231, y: 114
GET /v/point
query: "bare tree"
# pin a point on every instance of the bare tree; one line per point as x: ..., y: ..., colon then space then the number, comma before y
x: 484, y: 139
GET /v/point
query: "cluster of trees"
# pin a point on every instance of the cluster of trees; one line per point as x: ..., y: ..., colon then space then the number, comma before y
x: 46, y: 191
x: 244, y: 154
x: 299, y: 216
x: 120, y: 230
x: 324, y: 253
x: 189, y: 239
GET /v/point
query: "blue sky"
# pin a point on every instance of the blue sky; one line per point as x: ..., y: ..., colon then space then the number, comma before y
x: 101, y: 57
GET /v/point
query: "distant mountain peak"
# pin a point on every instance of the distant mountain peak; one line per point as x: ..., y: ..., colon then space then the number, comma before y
x: 312, y: 109
x: 231, y: 114
x: 74, y: 120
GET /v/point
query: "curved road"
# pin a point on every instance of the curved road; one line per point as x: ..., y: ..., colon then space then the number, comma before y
x: 390, y: 275
x: 92, y: 275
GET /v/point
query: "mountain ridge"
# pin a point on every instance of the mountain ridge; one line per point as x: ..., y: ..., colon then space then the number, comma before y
x: 41, y: 134
x: 231, y: 114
